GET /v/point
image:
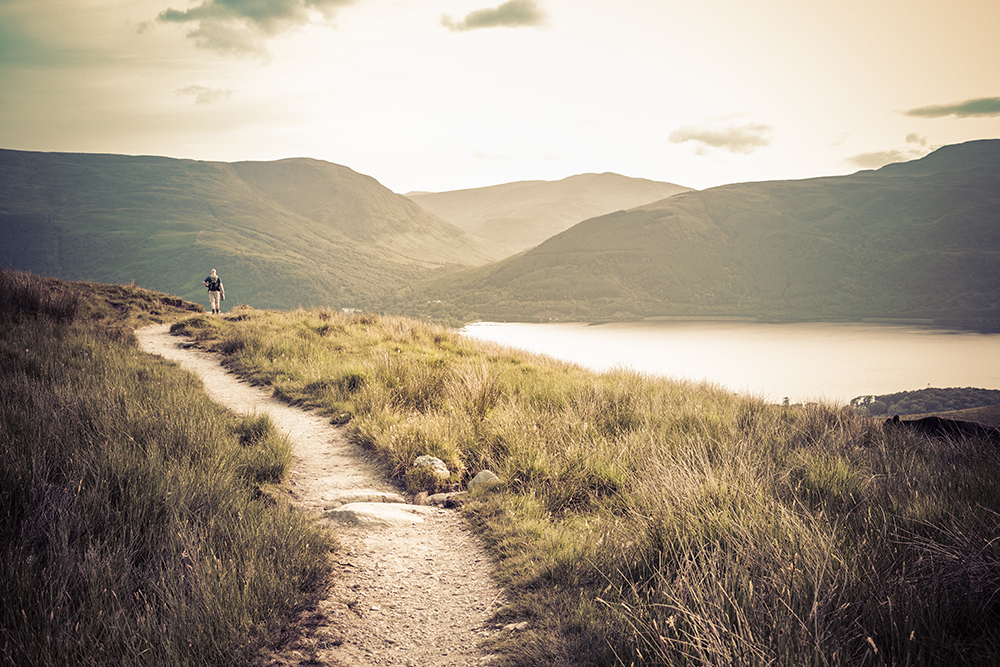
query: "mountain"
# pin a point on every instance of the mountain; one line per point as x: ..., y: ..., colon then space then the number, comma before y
x: 281, y: 234
x: 912, y: 240
x: 518, y: 216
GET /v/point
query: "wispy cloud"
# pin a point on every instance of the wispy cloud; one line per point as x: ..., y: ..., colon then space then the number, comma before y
x: 511, y: 14
x: 877, y: 159
x: 204, y: 94
x: 743, y: 139
x: 914, y: 138
x: 979, y: 107
x: 242, y: 27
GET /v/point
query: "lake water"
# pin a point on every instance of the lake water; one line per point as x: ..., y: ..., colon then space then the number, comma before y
x: 802, y: 361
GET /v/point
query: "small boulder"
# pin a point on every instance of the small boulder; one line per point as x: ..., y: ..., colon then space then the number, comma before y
x: 435, y: 464
x: 485, y: 478
x: 516, y: 627
x: 452, y: 500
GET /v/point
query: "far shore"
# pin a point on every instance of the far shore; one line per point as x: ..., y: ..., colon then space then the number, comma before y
x: 986, y: 326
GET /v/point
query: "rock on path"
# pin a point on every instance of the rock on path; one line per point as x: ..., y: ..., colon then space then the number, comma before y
x: 411, y: 584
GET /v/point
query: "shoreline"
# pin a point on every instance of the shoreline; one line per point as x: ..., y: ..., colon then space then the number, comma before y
x: 924, y: 322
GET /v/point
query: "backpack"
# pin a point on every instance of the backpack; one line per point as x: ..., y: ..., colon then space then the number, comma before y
x: 213, y: 283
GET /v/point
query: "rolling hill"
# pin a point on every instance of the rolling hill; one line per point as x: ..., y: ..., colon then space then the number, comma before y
x: 912, y: 240
x: 281, y: 234
x: 518, y: 216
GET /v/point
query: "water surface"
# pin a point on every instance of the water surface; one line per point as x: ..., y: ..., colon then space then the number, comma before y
x: 802, y: 361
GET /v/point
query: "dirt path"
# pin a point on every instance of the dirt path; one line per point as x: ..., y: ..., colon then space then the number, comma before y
x: 411, y: 585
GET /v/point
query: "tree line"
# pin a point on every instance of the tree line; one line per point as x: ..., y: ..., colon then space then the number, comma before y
x: 923, y: 401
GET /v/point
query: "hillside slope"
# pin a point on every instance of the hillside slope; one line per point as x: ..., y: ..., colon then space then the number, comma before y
x: 281, y: 234
x: 912, y: 240
x: 518, y: 216
x: 358, y: 207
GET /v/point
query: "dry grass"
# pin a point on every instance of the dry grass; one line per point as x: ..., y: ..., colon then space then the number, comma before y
x: 646, y: 521
x: 136, y: 525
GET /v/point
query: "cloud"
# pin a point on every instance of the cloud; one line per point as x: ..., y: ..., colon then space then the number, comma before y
x: 877, y: 159
x: 242, y: 27
x: 205, y: 95
x: 511, y: 14
x: 733, y: 138
x: 914, y: 138
x: 979, y: 107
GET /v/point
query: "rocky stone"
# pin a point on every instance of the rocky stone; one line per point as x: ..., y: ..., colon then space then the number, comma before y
x: 485, y: 478
x: 436, y: 465
x: 450, y: 500
x: 379, y: 514
x: 347, y: 496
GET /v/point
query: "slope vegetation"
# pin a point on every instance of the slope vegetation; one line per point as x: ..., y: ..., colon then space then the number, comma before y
x: 912, y: 240
x: 281, y: 233
x: 140, y: 523
x: 518, y: 216
x: 646, y: 521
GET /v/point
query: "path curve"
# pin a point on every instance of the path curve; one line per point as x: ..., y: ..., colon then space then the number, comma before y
x: 411, y: 586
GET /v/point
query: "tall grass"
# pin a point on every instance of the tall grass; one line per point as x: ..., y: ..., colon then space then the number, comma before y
x: 137, y: 521
x: 656, y: 522
x: 23, y: 295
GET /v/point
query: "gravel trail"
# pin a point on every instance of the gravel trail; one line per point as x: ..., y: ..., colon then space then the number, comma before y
x: 411, y: 583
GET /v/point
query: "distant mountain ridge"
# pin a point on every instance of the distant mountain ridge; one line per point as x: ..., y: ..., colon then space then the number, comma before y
x: 518, y: 216
x: 911, y: 240
x: 282, y: 234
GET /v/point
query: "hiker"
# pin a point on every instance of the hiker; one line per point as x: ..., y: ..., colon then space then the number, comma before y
x: 216, y: 292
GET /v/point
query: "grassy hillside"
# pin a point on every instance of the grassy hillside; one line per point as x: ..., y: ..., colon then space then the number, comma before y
x: 988, y: 415
x: 280, y: 233
x: 645, y: 521
x: 518, y: 216
x: 638, y: 521
x: 139, y: 523
x: 360, y: 208
x: 917, y: 240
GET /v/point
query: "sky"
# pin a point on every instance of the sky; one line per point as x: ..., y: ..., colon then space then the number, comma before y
x: 438, y: 95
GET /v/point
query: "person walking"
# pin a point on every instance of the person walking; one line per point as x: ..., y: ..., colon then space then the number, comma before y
x: 216, y: 292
